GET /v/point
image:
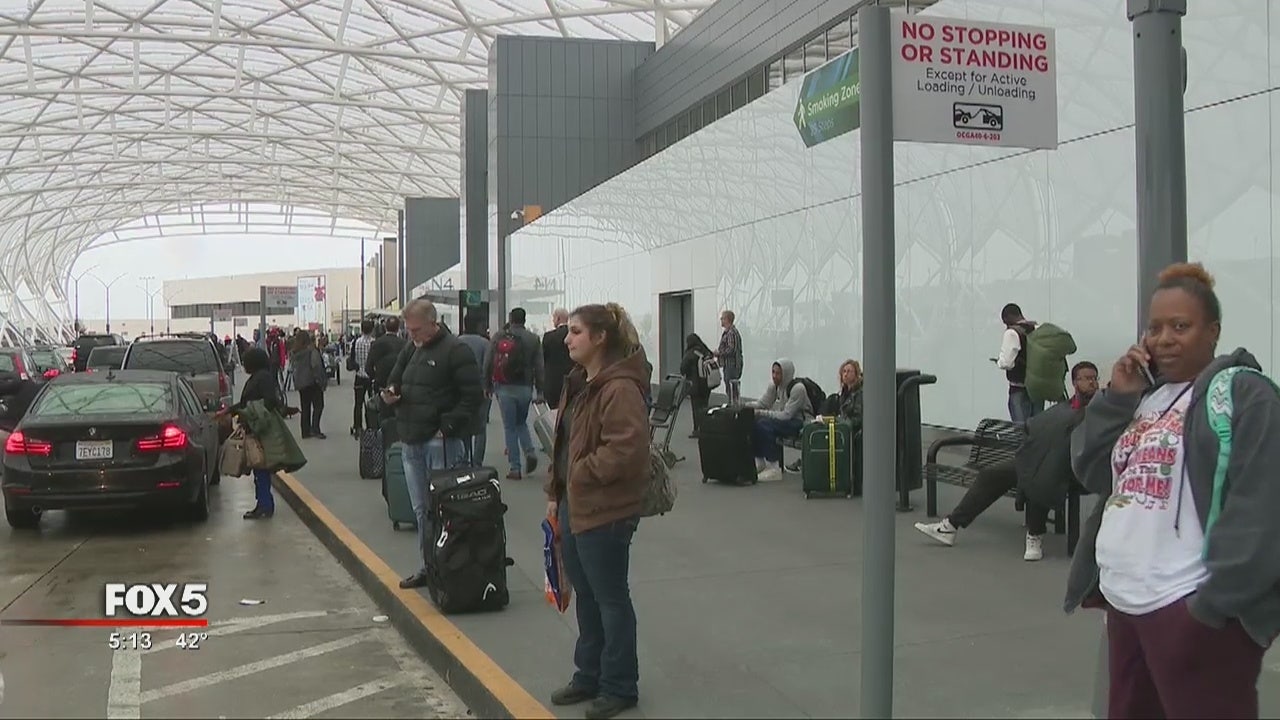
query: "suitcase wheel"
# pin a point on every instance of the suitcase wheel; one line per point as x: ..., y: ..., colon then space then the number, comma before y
x: 848, y: 495
x: 704, y: 480
x: 755, y: 480
x: 395, y: 525
x: 807, y: 494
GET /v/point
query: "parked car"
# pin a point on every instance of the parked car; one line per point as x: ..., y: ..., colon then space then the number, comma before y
x: 17, y: 364
x: 194, y: 357
x: 85, y: 344
x: 106, y: 440
x: 105, y: 357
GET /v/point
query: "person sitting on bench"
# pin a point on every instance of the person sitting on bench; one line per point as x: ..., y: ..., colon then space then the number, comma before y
x: 780, y: 412
x: 847, y: 403
x: 1042, y: 467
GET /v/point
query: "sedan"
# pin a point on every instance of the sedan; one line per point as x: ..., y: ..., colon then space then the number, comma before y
x: 130, y: 438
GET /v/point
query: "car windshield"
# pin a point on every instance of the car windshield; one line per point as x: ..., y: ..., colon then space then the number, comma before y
x: 47, y: 358
x: 106, y: 356
x: 7, y: 363
x: 180, y: 357
x: 106, y: 398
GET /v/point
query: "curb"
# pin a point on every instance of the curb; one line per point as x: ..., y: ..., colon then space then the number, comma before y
x: 481, y: 684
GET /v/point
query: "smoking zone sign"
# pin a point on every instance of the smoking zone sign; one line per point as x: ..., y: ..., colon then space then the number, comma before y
x: 974, y: 83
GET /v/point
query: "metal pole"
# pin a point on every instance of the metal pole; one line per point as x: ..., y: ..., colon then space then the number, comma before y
x: 108, y: 291
x: 1159, y: 139
x: 262, y: 315
x: 363, y: 265
x: 880, y: 446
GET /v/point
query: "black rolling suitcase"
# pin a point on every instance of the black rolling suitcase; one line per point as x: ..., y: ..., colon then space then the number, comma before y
x: 467, y: 562
x: 724, y: 445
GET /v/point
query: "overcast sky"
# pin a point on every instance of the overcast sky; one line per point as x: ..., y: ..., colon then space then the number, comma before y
x: 191, y: 257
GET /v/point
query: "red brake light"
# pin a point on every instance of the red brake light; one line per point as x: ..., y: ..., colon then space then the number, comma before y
x: 19, y: 444
x: 171, y: 437
x: 51, y: 373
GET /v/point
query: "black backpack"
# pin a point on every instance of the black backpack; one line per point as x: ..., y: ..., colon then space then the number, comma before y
x: 816, y: 396
x: 508, y: 359
x: 467, y: 561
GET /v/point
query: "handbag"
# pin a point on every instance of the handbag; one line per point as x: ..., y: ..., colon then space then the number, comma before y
x: 255, y: 456
x: 233, y: 461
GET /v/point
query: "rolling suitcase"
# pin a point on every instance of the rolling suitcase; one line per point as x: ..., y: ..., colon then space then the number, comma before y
x: 724, y: 445
x: 544, y: 426
x: 467, y: 561
x: 373, y: 454
x: 827, y: 459
x: 395, y: 488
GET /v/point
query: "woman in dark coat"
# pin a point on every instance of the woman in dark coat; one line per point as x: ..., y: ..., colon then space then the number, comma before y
x: 695, y: 351
x: 261, y: 385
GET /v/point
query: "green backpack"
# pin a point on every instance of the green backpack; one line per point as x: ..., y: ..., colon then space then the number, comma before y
x: 1220, y: 403
x: 1047, y: 349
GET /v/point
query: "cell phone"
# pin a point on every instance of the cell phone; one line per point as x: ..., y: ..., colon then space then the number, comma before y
x: 1148, y: 368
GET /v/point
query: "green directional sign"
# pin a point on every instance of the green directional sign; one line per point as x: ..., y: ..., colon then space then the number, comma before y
x: 829, y: 100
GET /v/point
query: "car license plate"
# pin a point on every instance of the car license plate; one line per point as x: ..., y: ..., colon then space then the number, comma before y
x: 94, y: 450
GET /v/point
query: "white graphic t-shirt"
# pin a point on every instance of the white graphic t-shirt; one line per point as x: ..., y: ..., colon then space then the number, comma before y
x: 1149, y: 545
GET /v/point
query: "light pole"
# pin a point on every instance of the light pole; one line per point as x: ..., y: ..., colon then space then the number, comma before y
x: 168, y: 308
x: 106, y: 286
x: 75, y: 284
x: 151, y: 304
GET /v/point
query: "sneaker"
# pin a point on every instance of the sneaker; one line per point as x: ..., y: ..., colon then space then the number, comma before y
x: 943, y: 531
x: 1035, y: 548
x: 606, y: 706
x: 770, y: 474
x: 572, y: 695
x: 530, y: 463
x: 514, y: 475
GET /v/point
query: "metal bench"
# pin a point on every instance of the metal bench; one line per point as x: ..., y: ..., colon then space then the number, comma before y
x: 666, y: 407
x: 992, y: 442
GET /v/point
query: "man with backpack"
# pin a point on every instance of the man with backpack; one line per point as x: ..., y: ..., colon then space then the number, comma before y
x: 513, y: 375
x: 1034, y: 358
x: 781, y: 412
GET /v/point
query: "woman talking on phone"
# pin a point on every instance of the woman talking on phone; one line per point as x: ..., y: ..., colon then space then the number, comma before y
x: 1184, y: 554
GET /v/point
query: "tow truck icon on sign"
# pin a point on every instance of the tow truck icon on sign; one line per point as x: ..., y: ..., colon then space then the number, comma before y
x: 968, y: 116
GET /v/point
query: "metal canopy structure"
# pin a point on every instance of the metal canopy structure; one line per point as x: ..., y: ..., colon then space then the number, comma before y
x: 113, y: 111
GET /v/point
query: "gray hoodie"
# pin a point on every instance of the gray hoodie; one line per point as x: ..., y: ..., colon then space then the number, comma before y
x: 779, y: 404
x: 1243, y: 561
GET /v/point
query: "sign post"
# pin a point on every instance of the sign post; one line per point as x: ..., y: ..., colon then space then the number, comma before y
x: 924, y: 79
x: 274, y: 298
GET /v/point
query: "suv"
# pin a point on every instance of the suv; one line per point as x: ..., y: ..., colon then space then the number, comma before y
x: 192, y: 356
x: 85, y: 344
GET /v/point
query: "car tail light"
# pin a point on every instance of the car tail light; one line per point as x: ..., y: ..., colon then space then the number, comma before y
x: 19, y: 444
x: 171, y: 437
x: 223, y: 390
x: 75, y: 355
x: 51, y: 373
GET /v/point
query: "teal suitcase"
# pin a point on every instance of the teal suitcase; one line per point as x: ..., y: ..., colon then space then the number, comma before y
x: 399, y: 506
x: 828, y: 459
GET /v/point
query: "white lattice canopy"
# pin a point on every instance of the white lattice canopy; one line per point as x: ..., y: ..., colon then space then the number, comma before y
x: 116, y: 110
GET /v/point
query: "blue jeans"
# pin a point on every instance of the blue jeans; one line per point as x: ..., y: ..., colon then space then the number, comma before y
x: 765, y: 434
x: 262, y: 490
x: 1021, y: 407
x: 513, y: 403
x: 598, y: 562
x: 419, y: 460
x: 480, y: 441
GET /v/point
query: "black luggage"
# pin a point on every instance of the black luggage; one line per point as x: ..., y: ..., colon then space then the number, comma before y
x: 724, y: 445
x: 467, y: 562
x: 372, y: 454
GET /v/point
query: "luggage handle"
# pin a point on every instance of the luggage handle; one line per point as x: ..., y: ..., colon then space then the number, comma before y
x: 444, y: 452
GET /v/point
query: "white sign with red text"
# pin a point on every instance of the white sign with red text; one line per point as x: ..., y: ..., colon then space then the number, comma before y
x: 974, y: 83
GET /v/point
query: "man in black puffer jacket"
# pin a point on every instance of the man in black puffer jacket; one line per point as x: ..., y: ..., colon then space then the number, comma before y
x: 436, y: 390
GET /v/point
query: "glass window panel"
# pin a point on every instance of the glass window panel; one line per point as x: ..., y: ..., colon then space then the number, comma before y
x: 756, y: 84
x: 793, y: 64
x: 839, y: 40
x: 739, y: 93
x: 815, y: 52
x: 103, y: 399
x: 776, y: 77
x: 723, y: 106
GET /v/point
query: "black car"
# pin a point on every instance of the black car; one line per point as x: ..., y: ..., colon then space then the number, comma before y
x: 16, y: 364
x: 105, y: 357
x: 126, y: 438
x: 85, y: 344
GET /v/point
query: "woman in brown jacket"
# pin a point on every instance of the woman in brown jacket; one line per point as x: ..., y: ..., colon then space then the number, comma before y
x: 598, y: 477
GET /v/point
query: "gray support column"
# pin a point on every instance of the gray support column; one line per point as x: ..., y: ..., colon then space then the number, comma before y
x: 262, y: 314
x: 1160, y: 140
x: 880, y: 446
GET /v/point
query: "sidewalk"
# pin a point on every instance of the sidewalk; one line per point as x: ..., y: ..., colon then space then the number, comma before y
x: 748, y: 600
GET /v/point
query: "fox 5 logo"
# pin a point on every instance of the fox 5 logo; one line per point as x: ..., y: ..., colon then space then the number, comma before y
x: 156, y: 599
